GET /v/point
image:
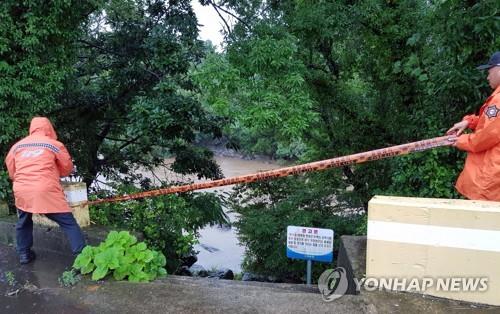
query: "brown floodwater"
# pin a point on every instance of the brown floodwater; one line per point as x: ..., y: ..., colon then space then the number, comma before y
x: 218, y: 246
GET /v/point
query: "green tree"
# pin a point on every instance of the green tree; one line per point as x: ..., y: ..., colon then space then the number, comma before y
x: 129, y: 102
x: 260, y: 89
x: 113, y: 76
x: 401, y: 73
x: 36, y: 56
x: 376, y: 73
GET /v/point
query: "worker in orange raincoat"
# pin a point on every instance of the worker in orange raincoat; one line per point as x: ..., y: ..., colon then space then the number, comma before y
x: 480, y: 178
x: 35, y: 165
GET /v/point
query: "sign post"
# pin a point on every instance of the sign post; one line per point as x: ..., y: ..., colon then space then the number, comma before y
x: 309, y: 271
x: 310, y: 244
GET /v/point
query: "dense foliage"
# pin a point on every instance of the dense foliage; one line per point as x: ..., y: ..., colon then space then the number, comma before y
x: 267, y: 208
x: 127, y: 83
x: 36, y: 55
x: 112, y: 76
x: 129, y: 102
x: 293, y: 76
x: 367, y: 74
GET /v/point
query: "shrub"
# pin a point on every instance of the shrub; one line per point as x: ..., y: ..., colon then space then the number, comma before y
x: 267, y: 208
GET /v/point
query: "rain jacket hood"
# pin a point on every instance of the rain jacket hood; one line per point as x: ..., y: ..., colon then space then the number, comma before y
x: 42, y: 126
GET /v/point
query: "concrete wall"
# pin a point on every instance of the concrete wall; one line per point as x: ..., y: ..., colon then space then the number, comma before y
x: 435, y: 238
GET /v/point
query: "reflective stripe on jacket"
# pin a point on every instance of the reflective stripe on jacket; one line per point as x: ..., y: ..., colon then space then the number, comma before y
x: 480, y: 178
x: 35, y: 165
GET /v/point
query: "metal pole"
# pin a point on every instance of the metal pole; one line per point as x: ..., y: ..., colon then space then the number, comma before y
x: 309, y: 271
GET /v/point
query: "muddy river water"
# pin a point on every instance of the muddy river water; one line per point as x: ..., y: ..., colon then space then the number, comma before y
x: 218, y: 246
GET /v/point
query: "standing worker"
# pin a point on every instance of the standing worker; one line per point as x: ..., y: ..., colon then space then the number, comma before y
x: 480, y: 178
x: 35, y: 164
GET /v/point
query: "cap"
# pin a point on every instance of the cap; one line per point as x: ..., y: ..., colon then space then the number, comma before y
x: 493, y: 62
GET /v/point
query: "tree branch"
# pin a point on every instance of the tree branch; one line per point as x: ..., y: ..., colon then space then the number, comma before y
x: 102, y: 49
x: 229, y: 13
x: 325, y: 48
x: 127, y: 143
x: 221, y: 17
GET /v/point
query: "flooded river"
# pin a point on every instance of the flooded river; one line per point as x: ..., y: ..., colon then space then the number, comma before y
x: 218, y: 246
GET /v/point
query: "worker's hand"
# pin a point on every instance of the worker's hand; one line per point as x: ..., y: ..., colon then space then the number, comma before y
x: 453, y: 139
x: 458, y: 128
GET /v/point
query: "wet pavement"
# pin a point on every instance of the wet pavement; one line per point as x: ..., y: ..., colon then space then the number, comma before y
x: 38, y: 291
x: 23, y: 287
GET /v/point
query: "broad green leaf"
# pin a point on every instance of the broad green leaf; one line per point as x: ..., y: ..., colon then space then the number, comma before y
x: 112, y: 237
x: 148, y: 256
x: 162, y: 272
x: 121, y: 272
x: 82, y: 261
x: 87, y: 269
x: 99, y: 273
x: 141, y: 246
x: 109, y: 258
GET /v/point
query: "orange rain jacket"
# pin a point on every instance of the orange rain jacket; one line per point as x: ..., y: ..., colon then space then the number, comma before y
x: 480, y: 179
x: 35, y: 165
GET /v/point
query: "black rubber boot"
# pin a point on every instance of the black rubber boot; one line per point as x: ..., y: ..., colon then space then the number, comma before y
x: 27, y: 258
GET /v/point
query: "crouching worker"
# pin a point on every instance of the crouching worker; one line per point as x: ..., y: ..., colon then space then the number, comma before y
x: 35, y: 165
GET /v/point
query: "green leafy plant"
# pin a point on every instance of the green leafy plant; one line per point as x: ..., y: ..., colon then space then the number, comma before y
x: 123, y: 257
x: 69, y: 278
x: 11, y: 278
x: 185, y: 244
